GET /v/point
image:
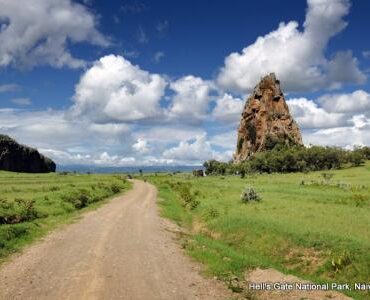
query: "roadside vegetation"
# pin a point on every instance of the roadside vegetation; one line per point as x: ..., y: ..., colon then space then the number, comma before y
x: 32, y: 204
x: 314, y: 225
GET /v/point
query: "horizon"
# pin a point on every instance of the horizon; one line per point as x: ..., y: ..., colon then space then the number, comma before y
x: 133, y: 84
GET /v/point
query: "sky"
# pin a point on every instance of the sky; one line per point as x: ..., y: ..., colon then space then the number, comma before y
x: 142, y: 83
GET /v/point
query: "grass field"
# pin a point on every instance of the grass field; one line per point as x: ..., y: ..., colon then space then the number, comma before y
x: 311, y: 225
x: 33, y: 204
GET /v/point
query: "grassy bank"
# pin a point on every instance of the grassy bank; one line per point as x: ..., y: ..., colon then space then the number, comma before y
x: 312, y: 225
x: 33, y: 204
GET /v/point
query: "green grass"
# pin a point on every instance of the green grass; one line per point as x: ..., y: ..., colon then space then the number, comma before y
x: 302, y: 226
x: 33, y: 204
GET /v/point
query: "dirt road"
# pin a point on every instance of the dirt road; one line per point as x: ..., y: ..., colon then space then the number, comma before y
x: 120, y: 251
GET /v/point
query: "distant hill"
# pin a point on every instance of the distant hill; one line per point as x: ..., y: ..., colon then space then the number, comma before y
x: 145, y: 169
x: 20, y: 158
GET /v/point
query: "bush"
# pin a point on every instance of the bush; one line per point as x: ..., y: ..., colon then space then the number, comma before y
x: 284, y: 159
x: 7, y: 212
x: 355, y: 158
x: 188, y: 198
x: 327, y: 176
x: 360, y: 200
x: 211, y: 213
x: 250, y: 195
x: 79, y: 199
x: 28, y: 211
x: 115, y: 188
x: 17, y: 211
x: 339, y: 263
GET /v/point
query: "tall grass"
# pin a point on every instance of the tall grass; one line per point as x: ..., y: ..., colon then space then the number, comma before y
x: 306, y: 224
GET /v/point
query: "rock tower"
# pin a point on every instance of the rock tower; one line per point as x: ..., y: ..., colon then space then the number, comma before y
x: 265, y: 121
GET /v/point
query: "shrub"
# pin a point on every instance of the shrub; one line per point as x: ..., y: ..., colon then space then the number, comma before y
x: 17, y: 211
x: 115, y: 188
x: 356, y: 158
x: 7, y: 212
x: 28, y: 211
x: 193, y: 204
x: 250, y: 195
x: 79, y: 199
x: 188, y: 198
x: 327, y: 176
x: 339, y: 263
x: 211, y: 213
x: 360, y: 199
x: 54, y: 188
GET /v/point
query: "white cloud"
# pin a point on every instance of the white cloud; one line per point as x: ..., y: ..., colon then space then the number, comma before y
x: 309, y: 115
x: 191, y: 99
x: 358, y: 101
x: 168, y: 134
x: 195, y: 151
x: 297, y: 57
x: 21, y: 101
x: 5, y: 88
x: 115, y: 90
x: 228, y: 109
x: 38, y: 32
x: 66, y: 158
x: 141, y: 146
x: 360, y: 122
x: 51, y: 130
x: 340, y: 136
x: 225, y: 140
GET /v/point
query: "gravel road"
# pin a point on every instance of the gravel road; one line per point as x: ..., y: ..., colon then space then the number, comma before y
x: 122, y: 250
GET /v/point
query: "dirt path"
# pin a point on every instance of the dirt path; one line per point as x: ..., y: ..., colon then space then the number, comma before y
x: 120, y: 251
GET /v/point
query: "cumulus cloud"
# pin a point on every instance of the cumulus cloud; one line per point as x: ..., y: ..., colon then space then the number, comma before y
x: 38, y: 32
x: 115, y: 90
x: 355, y: 102
x: 341, y: 136
x: 225, y: 140
x: 196, y: 151
x: 141, y: 146
x: 66, y: 158
x: 191, y: 98
x: 297, y: 57
x: 309, y: 115
x: 334, y: 119
x: 228, y: 109
x: 168, y: 134
x: 51, y: 130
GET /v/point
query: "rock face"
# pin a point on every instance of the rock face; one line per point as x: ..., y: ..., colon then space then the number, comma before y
x: 265, y: 121
x: 19, y: 158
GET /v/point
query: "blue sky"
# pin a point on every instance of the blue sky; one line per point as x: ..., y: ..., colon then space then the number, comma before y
x: 124, y: 83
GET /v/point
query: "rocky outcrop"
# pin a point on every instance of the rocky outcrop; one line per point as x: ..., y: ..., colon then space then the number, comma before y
x: 19, y: 158
x: 265, y: 121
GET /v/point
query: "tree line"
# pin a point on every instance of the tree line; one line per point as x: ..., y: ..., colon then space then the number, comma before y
x: 282, y: 159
